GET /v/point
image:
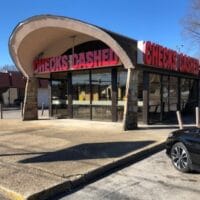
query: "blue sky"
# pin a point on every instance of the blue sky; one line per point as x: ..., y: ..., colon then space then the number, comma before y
x: 155, y: 20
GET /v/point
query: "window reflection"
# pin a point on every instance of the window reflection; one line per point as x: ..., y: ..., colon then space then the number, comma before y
x: 185, y: 90
x: 101, y: 94
x: 121, y: 85
x: 173, y: 94
x: 165, y: 93
x: 91, y: 94
x: 81, y: 88
x: 154, y: 93
x: 189, y: 95
x: 101, y: 87
x: 81, y: 95
x: 154, y: 98
x: 59, y: 98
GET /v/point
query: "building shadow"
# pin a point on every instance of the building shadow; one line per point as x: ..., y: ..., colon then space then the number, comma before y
x: 90, y: 151
x: 21, y: 154
x: 152, y: 127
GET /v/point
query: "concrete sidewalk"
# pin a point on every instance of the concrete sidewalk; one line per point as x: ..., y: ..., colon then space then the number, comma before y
x: 41, y: 158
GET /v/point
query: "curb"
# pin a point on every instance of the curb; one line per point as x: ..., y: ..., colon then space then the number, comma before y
x: 69, y: 186
x: 11, y: 194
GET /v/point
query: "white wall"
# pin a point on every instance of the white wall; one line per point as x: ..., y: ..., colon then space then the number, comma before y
x: 9, y: 96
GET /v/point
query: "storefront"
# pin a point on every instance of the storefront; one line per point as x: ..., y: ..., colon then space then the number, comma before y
x: 95, y: 74
x: 170, y: 83
x: 87, y: 82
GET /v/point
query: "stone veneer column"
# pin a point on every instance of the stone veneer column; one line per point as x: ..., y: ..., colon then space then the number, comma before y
x: 30, y: 108
x: 131, y: 106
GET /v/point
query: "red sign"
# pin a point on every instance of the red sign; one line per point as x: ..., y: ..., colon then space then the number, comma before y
x: 83, y: 60
x: 162, y: 57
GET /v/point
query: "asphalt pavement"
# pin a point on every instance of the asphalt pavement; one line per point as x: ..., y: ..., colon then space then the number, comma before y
x: 151, y: 179
x: 41, y: 158
x: 3, y: 198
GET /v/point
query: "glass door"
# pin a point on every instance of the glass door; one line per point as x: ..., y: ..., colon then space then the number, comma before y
x: 59, y: 100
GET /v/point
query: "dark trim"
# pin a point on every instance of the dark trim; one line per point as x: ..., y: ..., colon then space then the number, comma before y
x: 161, y: 99
x: 91, y: 95
x: 114, y: 94
x: 50, y: 97
x: 70, y: 95
x: 165, y: 72
x: 168, y: 87
x: 43, y: 78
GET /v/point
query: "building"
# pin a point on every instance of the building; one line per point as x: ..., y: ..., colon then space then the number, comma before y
x: 12, y: 86
x: 96, y: 74
x: 12, y: 89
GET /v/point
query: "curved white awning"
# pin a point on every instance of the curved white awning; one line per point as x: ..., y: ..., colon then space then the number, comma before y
x: 51, y: 36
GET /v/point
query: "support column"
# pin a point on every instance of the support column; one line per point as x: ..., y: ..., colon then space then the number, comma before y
x: 30, y: 108
x: 131, y: 106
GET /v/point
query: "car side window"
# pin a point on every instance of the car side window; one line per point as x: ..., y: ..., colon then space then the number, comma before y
x: 197, y: 131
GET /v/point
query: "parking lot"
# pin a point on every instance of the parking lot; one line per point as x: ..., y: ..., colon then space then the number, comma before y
x: 60, y: 153
x: 151, y: 179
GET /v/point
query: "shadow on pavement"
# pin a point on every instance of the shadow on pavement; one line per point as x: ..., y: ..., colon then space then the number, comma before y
x: 90, y: 151
x: 21, y: 154
x: 156, y: 127
x: 139, y: 157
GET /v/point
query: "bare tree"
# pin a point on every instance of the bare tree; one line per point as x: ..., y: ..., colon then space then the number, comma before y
x: 8, y: 68
x: 191, y: 22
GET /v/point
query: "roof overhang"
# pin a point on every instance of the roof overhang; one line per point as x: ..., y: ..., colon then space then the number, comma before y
x: 48, y: 36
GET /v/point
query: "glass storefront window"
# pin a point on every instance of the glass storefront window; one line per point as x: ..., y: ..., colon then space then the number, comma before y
x: 101, y: 94
x: 154, y: 92
x: 121, y: 85
x: 81, y: 95
x: 59, y: 98
x: 189, y: 95
x: 154, y: 97
x: 193, y: 97
x: 185, y: 91
x: 173, y: 94
x: 165, y: 93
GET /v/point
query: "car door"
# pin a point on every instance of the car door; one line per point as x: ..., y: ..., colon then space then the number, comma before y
x: 194, y: 146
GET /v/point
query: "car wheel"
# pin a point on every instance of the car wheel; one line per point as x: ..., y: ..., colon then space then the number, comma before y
x: 180, y: 157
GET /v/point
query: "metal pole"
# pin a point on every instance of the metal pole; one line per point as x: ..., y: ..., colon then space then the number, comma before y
x: 1, y: 111
x: 180, y: 122
x: 42, y: 109
x: 197, y: 116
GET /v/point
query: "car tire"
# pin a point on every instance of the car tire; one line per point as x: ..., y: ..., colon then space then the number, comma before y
x: 180, y: 157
